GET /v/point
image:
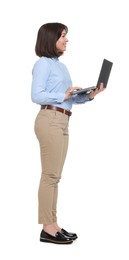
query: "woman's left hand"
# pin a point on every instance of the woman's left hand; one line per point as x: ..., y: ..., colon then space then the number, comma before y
x: 93, y: 93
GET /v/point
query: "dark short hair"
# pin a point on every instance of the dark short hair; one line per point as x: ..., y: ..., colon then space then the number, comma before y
x: 47, y: 36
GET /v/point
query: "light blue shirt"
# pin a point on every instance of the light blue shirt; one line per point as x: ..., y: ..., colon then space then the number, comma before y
x: 50, y: 80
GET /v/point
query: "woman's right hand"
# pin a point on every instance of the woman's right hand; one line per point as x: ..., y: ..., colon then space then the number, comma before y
x: 68, y: 93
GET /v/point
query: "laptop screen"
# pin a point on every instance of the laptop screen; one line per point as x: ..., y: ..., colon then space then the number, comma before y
x: 104, y: 73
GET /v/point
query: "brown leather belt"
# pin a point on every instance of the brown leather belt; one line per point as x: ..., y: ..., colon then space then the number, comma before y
x: 59, y: 109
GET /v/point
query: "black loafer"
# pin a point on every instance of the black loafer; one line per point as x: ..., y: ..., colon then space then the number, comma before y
x: 73, y: 236
x: 59, y: 238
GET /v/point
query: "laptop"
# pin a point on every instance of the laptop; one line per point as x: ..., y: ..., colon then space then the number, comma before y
x: 103, y: 78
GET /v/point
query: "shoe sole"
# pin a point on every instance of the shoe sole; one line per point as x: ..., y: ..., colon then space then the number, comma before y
x: 56, y: 242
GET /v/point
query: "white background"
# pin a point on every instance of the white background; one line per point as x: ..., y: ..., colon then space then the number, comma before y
x: 94, y: 191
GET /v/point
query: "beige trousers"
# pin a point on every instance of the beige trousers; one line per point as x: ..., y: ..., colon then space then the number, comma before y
x: 51, y: 128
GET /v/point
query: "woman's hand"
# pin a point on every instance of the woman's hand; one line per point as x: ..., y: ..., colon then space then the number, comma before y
x: 68, y: 93
x: 93, y: 93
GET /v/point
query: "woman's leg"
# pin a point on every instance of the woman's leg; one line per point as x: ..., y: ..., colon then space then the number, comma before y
x: 65, y: 148
x: 50, y: 127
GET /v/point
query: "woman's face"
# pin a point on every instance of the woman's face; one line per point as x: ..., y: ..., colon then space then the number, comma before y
x: 62, y: 42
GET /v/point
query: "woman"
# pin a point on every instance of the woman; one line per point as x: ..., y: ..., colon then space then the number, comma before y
x: 52, y: 90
